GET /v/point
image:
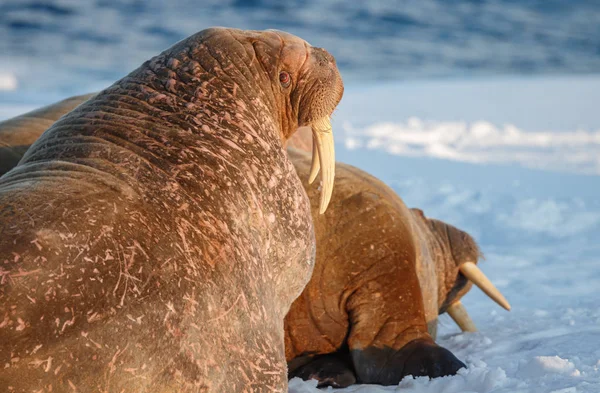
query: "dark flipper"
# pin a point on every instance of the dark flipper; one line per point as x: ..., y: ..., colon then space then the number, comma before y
x: 420, y: 357
x: 333, y: 369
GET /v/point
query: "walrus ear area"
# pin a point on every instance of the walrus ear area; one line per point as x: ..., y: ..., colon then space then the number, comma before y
x: 281, y: 58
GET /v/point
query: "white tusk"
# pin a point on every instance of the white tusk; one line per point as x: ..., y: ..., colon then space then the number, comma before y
x: 315, y: 164
x: 474, y: 274
x: 323, y: 138
x: 459, y: 314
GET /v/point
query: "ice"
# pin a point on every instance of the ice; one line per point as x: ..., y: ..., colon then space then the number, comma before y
x: 540, y: 366
x: 483, y: 142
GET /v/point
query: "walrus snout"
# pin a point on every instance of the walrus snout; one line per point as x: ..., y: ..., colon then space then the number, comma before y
x: 310, y: 87
x: 327, y: 94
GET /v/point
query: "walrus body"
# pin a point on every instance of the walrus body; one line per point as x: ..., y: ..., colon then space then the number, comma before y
x: 153, y: 239
x: 411, y: 283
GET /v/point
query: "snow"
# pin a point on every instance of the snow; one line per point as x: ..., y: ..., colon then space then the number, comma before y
x: 514, y: 161
x: 482, y: 142
x: 540, y: 366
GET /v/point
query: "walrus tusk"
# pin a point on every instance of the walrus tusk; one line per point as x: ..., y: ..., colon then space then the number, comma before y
x: 315, y: 165
x: 323, y: 139
x: 473, y: 273
x: 459, y: 314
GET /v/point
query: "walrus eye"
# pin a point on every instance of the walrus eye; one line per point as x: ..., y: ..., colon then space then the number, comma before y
x: 285, y: 79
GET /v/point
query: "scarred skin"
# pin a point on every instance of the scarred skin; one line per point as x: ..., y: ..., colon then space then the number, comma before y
x: 153, y: 239
x: 363, y: 317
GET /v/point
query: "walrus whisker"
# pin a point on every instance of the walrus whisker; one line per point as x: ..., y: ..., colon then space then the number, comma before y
x: 474, y: 274
x: 459, y: 315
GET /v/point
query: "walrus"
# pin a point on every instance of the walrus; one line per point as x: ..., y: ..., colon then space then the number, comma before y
x: 382, y: 275
x: 154, y: 237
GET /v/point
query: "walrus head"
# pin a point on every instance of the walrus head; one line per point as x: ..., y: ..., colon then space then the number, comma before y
x: 457, y: 271
x: 309, y: 89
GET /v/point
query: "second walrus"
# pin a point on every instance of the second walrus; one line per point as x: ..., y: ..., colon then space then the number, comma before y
x: 382, y: 275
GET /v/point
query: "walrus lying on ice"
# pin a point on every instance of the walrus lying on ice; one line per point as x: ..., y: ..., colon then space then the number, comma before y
x: 153, y: 238
x: 382, y: 275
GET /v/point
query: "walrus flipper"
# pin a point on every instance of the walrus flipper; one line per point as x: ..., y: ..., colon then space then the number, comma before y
x: 332, y: 369
x: 421, y: 357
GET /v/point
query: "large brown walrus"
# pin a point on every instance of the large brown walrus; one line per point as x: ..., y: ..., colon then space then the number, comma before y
x: 153, y: 238
x: 382, y: 275
x: 429, y: 284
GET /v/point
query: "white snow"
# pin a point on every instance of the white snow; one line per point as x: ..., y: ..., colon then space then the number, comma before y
x: 540, y: 366
x: 515, y: 162
x: 482, y: 142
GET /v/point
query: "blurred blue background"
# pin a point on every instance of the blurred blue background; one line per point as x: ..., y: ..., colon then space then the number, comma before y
x: 66, y: 46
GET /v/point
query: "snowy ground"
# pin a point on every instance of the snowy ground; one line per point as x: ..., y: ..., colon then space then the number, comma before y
x: 516, y: 162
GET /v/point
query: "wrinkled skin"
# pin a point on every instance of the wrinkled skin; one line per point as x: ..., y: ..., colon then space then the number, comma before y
x: 362, y: 317
x: 153, y: 238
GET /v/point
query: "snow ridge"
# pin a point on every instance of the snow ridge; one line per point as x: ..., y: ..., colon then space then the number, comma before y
x: 482, y: 142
